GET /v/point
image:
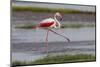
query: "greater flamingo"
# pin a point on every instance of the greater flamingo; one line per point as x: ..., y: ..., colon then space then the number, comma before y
x: 51, y: 23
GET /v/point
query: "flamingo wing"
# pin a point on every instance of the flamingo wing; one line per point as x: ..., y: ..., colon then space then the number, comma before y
x: 47, y: 23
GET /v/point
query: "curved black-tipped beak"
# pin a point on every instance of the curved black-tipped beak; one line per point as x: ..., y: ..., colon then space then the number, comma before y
x: 61, y: 19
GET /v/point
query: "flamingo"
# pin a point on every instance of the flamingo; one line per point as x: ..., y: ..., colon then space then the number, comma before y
x: 50, y: 23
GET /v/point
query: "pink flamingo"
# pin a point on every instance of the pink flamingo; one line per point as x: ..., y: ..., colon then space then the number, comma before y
x: 51, y: 23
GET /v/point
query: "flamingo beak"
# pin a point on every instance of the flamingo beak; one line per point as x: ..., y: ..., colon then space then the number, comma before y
x: 60, y: 18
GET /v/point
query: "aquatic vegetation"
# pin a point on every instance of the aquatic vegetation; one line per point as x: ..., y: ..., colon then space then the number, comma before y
x: 76, y: 25
x: 30, y: 26
x: 25, y: 26
x: 58, y: 59
x: 40, y: 9
x: 65, y: 59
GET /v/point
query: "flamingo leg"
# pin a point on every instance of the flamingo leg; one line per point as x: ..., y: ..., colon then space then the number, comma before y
x: 47, y: 41
x: 60, y: 35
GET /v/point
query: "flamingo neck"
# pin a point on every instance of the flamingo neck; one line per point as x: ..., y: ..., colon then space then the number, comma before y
x: 58, y: 23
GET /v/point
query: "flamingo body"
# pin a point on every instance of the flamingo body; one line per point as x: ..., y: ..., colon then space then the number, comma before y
x: 49, y: 22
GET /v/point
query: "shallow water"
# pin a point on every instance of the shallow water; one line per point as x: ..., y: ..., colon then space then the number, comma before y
x: 37, y: 51
x: 31, y: 35
x: 29, y: 45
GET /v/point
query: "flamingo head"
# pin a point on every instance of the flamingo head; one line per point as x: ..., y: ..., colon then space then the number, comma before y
x: 58, y: 15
